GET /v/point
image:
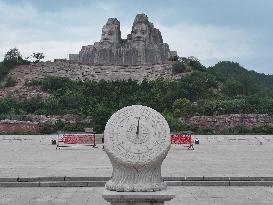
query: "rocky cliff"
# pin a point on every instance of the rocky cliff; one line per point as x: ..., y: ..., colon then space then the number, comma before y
x: 78, y: 71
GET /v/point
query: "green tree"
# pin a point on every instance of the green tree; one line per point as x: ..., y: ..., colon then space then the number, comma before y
x: 232, y: 88
x: 195, y: 64
x: 101, y: 116
x: 13, y: 55
x: 174, y: 123
x: 182, y: 107
x: 249, y: 85
x: 11, y: 59
x: 38, y: 57
x: 179, y: 67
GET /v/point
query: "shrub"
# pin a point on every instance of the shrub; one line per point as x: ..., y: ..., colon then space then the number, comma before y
x: 47, y: 129
x: 33, y: 82
x: 173, y: 58
x: 10, y: 82
x: 179, y: 67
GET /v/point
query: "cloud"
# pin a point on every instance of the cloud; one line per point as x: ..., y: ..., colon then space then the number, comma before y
x: 204, y: 30
x: 209, y: 43
x: 51, y: 49
x: 29, y: 29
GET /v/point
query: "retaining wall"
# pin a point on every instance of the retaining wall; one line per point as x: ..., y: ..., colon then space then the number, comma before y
x: 8, y: 126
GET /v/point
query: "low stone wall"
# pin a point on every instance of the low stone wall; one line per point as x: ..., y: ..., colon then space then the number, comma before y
x: 35, y: 123
x: 53, y: 119
x: 217, y: 123
x: 9, y: 126
x: 222, y: 122
x: 77, y: 71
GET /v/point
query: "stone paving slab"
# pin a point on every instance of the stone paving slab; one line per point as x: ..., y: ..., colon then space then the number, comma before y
x: 216, y: 156
x: 93, y: 196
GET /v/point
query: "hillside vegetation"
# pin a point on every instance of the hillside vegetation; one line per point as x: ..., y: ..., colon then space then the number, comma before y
x: 12, y: 58
x: 242, y: 81
x: 226, y: 88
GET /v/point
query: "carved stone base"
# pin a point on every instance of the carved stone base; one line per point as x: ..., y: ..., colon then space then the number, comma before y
x: 136, y: 179
x: 137, y: 198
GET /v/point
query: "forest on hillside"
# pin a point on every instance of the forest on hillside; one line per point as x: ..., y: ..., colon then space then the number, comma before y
x: 225, y: 88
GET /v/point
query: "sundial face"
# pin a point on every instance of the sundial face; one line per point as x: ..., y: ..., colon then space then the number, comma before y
x: 137, y: 134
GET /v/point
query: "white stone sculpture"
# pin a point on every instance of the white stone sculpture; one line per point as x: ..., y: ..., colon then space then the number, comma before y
x: 137, y: 140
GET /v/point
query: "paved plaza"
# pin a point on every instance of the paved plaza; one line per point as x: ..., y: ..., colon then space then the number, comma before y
x: 34, y: 156
x: 92, y: 196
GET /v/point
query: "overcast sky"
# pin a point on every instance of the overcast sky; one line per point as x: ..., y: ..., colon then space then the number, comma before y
x: 211, y: 30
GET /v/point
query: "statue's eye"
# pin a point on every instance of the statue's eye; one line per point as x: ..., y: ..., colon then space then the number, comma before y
x: 110, y: 33
x: 143, y: 31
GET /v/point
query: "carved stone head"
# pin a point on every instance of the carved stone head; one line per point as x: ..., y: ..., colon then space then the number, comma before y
x: 141, y: 30
x: 110, y: 33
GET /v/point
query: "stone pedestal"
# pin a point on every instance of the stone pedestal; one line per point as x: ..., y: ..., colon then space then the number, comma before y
x: 137, y: 198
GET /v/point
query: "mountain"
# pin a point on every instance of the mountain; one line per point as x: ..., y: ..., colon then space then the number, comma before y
x: 232, y: 71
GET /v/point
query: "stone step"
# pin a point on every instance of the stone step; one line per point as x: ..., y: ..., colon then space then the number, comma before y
x: 67, y: 179
x: 100, y: 182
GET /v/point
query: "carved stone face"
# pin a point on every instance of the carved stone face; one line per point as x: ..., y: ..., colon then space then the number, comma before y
x: 140, y: 33
x: 110, y: 35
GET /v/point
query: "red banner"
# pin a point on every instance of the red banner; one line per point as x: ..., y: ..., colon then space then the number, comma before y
x: 77, y: 138
x: 181, y: 139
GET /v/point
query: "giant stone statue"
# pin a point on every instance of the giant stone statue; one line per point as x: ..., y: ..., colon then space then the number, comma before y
x: 143, y: 46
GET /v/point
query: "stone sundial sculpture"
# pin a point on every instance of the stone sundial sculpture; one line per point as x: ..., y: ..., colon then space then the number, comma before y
x: 137, y: 140
x: 144, y: 45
